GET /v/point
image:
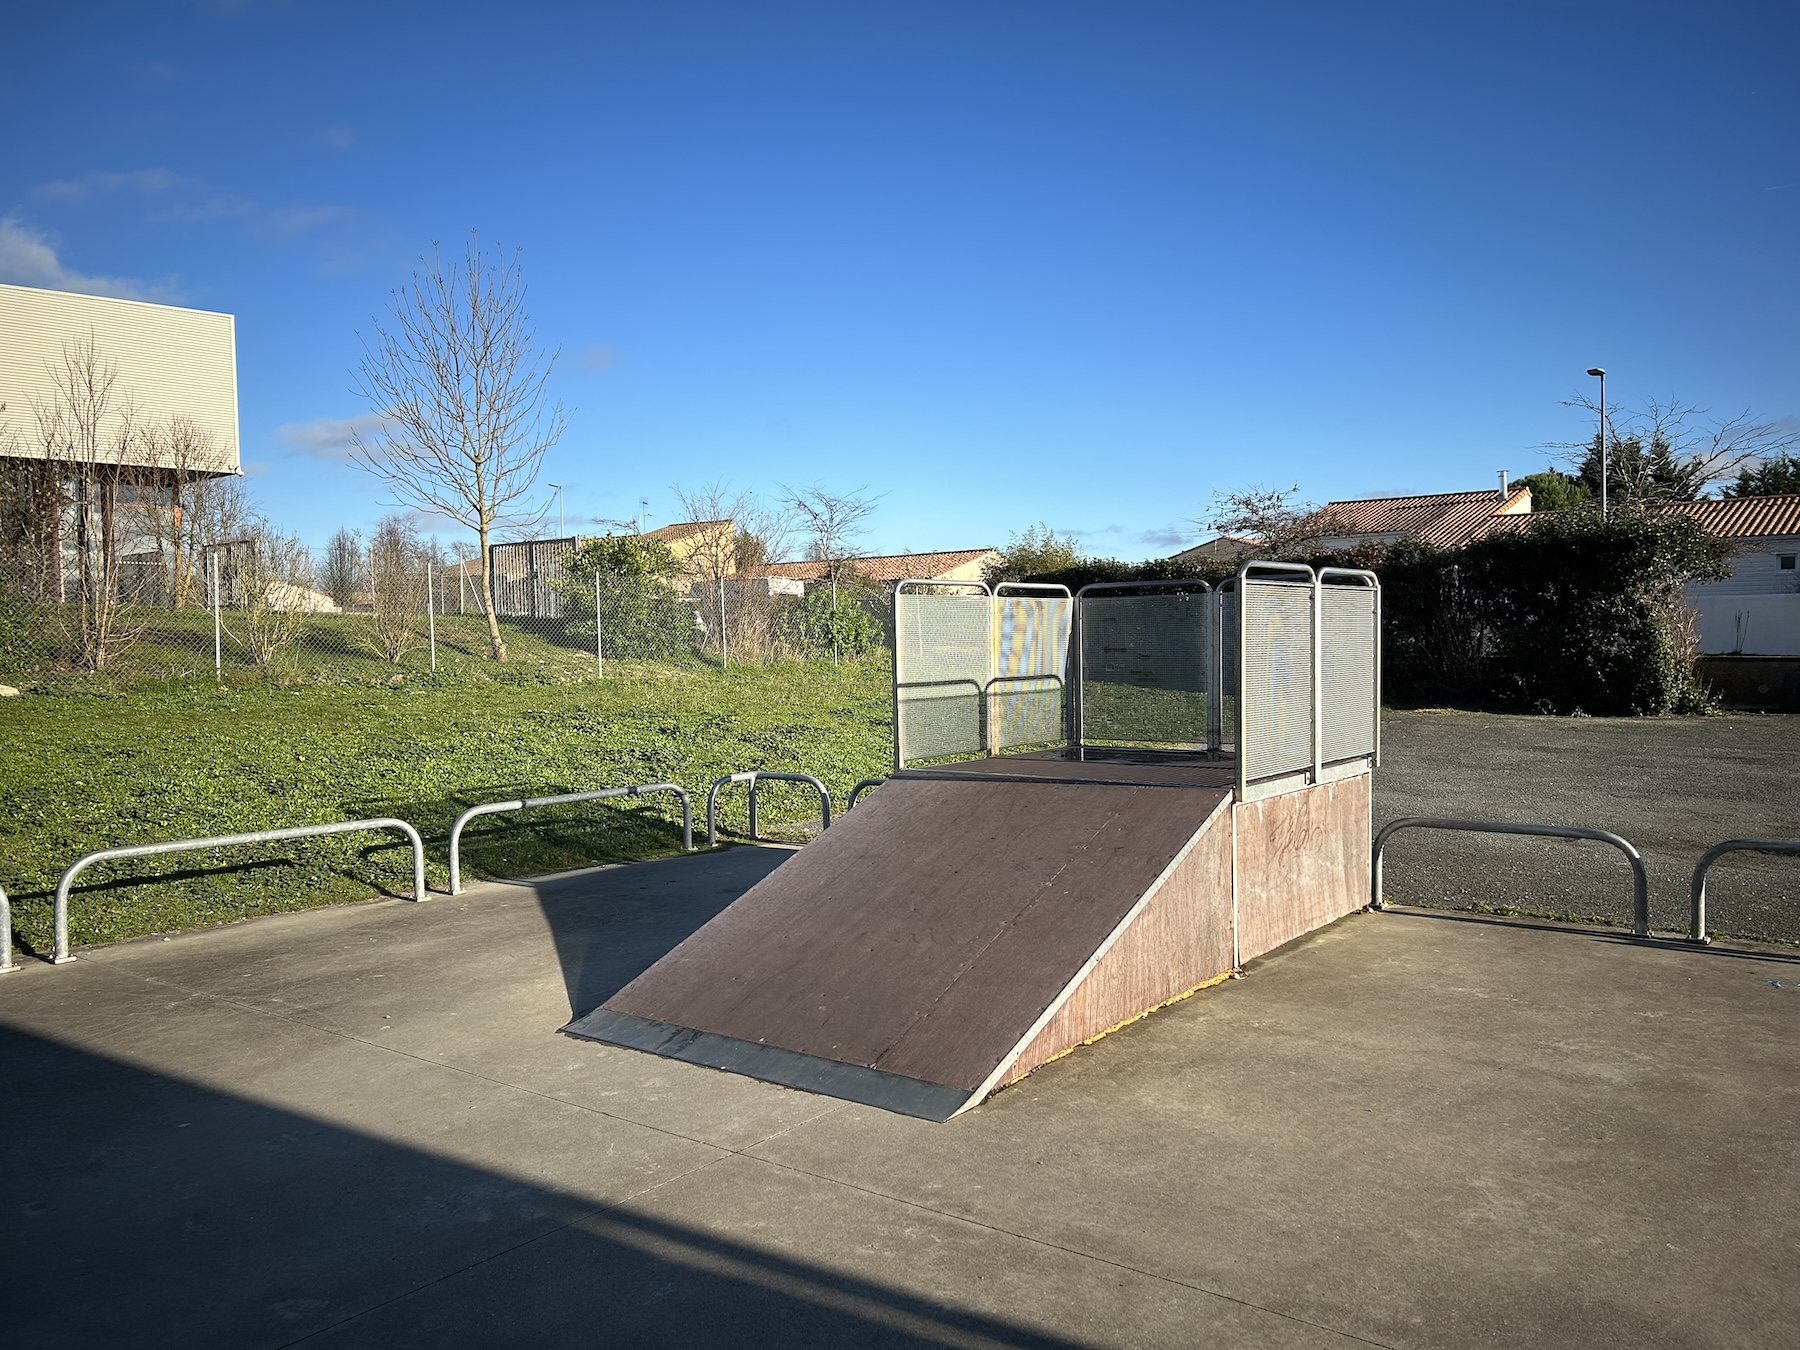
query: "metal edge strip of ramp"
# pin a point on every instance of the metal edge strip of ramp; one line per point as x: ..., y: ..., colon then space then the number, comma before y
x: 773, y: 1064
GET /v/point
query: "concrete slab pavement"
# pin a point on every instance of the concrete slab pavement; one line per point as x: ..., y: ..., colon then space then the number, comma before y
x: 357, y: 1125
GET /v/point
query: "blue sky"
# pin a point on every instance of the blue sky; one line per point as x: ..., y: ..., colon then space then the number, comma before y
x: 1000, y: 262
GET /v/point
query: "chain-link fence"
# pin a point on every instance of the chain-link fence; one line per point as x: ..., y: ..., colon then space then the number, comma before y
x: 111, y: 605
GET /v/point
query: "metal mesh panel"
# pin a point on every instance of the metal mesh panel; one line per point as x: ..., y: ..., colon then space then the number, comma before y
x: 1031, y: 655
x: 1277, y: 692
x: 1225, y: 634
x: 1145, y: 668
x: 1347, y: 671
x: 941, y: 656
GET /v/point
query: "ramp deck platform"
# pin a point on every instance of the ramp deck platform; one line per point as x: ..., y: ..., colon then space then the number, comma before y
x: 970, y: 922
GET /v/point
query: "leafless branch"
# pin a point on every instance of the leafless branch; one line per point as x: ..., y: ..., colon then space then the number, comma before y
x: 456, y: 374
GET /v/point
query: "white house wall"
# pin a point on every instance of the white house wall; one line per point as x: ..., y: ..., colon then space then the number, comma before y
x: 170, y: 361
x: 1756, y: 612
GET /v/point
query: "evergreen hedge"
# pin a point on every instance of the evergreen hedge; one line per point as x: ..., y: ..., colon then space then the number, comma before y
x: 1564, y: 614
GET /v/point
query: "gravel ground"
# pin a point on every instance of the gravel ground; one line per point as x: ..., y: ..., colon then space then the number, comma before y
x: 1673, y: 786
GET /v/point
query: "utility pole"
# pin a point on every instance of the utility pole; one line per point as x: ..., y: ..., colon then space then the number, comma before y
x: 1596, y: 370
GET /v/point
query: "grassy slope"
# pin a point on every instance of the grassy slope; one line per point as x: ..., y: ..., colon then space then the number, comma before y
x: 79, y: 773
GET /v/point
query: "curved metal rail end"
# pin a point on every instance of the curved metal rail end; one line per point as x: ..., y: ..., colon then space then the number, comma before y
x: 752, y: 777
x: 562, y: 799
x: 1640, y: 881
x: 862, y: 786
x: 61, y: 954
x: 1697, y: 889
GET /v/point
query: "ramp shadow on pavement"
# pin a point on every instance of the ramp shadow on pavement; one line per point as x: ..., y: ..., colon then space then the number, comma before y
x: 611, y: 925
x: 151, y: 1211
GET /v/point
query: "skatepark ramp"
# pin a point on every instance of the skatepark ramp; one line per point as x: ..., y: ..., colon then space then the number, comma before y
x: 979, y: 917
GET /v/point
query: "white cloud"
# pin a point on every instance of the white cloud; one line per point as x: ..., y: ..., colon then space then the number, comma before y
x: 28, y: 258
x: 91, y: 185
x: 1169, y: 536
x: 329, y: 437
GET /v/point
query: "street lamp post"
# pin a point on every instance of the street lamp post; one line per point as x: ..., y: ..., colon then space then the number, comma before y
x: 1596, y: 370
x: 562, y: 524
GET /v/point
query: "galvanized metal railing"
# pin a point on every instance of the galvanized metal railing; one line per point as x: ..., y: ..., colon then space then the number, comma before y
x: 81, y: 864
x: 1640, y: 881
x: 752, y: 778
x: 563, y: 799
x: 862, y: 786
x: 1697, y: 892
x: 6, y: 957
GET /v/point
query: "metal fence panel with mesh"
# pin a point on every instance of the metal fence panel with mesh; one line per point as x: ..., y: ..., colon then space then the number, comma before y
x: 942, y: 653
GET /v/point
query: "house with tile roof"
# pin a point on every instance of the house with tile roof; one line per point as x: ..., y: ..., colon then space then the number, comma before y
x: 1755, y: 611
x: 1447, y: 519
x: 954, y: 565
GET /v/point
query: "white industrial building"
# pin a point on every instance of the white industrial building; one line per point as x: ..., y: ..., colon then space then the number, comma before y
x: 107, y: 409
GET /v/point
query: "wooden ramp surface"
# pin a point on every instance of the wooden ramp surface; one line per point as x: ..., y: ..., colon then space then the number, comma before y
x: 950, y: 933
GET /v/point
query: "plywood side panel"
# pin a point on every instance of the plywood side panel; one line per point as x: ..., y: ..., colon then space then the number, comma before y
x: 1181, y: 938
x: 856, y: 949
x: 962, y: 1037
x: 1302, y: 861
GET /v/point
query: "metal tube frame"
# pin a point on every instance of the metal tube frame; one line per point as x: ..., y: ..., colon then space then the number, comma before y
x: 63, y: 886
x: 862, y: 786
x: 752, y: 777
x: 563, y: 799
x: 990, y: 704
x: 1640, y: 881
x: 977, y: 587
x: 1373, y: 583
x: 1243, y: 679
x: 1697, y: 890
x: 1078, y: 728
x: 7, y: 964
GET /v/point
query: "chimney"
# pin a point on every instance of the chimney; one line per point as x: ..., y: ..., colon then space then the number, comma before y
x: 1503, y: 487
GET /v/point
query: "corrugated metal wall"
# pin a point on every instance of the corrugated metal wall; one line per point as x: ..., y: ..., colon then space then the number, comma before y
x: 170, y: 361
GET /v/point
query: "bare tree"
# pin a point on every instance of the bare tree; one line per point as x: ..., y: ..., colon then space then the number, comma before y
x: 273, y: 592
x: 830, y: 520
x: 397, y: 561
x: 341, y: 569
x: 1671, y: 451
x: 456, y: 375
x: 193, y: 508
x: 89, y: 434
x: 1279, y: 524
x: 739, y: 534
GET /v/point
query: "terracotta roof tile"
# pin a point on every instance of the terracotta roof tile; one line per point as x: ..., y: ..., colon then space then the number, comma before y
x: 1443, y: 518
x: 1744, y: 517
x: 885, y: 566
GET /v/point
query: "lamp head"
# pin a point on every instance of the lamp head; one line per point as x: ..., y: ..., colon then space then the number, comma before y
x: 1596, y: 371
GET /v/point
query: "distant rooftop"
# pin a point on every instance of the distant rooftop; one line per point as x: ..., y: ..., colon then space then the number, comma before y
x: 892, y: 566
x: 1446, y: 519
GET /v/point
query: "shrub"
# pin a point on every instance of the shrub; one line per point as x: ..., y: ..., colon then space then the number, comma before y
x: 1567, y: 613
x: 823, y: 625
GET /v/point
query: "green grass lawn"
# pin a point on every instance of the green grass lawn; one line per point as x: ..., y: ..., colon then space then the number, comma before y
x: 171, y: 761
x: 166, y: 644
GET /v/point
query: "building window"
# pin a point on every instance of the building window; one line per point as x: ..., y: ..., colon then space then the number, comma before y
x: 1785, y: 561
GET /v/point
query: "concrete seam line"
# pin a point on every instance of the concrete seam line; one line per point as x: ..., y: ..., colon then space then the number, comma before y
x: 1073, y: 1251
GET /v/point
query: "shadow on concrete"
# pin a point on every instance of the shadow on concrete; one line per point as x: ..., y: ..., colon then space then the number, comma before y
x: 612, y: 925
x: 150, y: 1211
x: 1672, y: 941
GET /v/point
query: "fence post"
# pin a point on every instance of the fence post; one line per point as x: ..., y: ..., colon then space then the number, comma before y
x: 218, y: 645
x: 431, y: 610
x: 724, y: 642
x: 599, y: 656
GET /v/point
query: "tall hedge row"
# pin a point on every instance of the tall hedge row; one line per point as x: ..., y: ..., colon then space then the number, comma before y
x: 1565, y: 614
